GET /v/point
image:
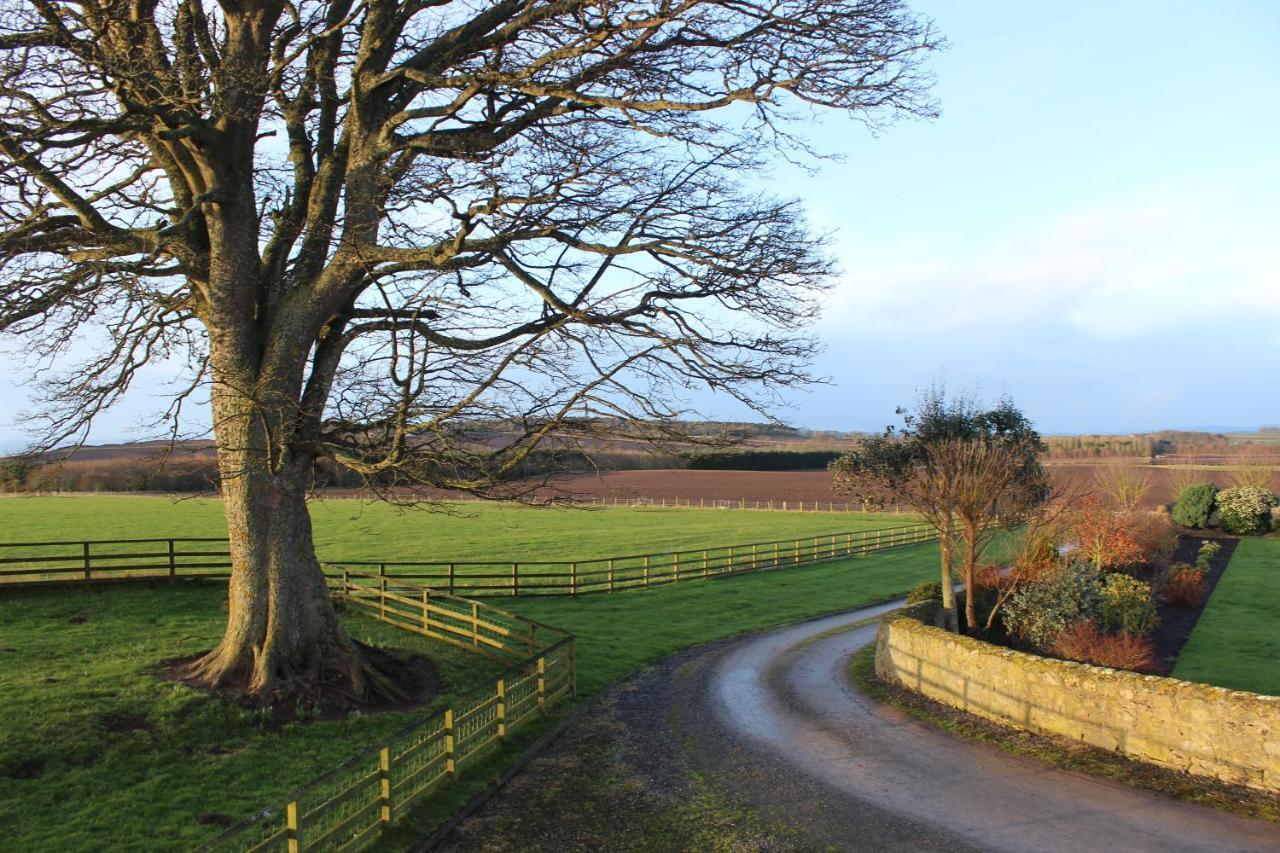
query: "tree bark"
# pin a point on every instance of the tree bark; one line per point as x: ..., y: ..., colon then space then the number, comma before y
x: 970, y: 559
x: 948, y: 585
x: 283, y: 640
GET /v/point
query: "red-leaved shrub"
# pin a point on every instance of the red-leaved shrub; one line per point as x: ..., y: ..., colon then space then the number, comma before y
x: 1184, y: 585
x: 1085, y: 643
x: 1116, y: 540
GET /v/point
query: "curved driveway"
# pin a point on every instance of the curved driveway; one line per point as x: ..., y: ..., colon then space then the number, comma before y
x: 785, y: 707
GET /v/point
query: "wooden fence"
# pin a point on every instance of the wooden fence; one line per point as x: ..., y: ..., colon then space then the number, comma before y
x: 770, y: 505
x: 104, y: 559
x: 25, y: 563
x: 638, y: 571
x: 350, y: 806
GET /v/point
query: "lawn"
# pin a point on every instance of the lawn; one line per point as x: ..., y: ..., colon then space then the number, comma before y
x: 1236, y: 643
x: 95, y: 752
x: 93, y: 748
x: 356, y: 530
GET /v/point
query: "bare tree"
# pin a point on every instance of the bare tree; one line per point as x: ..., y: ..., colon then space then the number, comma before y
x: 1124, y: 483
x: 368, y: 226
x: 997, y: 486
x: 966, y: 470
x: 1253, y: 467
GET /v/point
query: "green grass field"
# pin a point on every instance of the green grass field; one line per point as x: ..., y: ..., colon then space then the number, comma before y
x: 93, y: 749
x: 1236, y: 643
x: 355, y: 530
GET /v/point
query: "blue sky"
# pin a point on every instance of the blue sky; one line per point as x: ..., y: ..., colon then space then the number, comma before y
x: 1093, y: 225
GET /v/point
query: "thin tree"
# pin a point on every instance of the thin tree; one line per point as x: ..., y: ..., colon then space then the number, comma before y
x: 370, y: 228
x: 961, y: 467
x: 1125, y: 483
x: 998, y: 483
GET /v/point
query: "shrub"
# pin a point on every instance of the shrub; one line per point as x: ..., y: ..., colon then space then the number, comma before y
x: 926, y: 591
x: 1245, y: 510
x: 1082, y: 641
x: 1127, y: 606
x: 1104, y: 537
x: 1047, y: 605
x: 1117, y: 540
x: 1183, y: 585
x: 1204, y: 559
x: 1195, y: 505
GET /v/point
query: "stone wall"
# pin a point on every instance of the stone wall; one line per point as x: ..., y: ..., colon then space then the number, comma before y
x: 1228, y: 735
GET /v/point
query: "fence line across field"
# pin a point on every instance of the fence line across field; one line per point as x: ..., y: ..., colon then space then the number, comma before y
x: 29, y: 563
x: 766, y: 505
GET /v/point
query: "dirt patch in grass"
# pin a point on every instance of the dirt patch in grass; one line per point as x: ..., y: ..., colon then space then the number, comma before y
x: 1062, y: 753
x: 124, y: 724
x: 28, y: 769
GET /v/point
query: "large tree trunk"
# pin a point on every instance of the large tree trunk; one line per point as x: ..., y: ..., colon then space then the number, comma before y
x: 284, y: 639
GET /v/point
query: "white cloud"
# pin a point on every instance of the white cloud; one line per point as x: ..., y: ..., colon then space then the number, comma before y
x: 1178, y: 260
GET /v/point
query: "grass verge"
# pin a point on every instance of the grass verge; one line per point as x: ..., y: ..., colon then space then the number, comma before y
x: 1061, y: 753
x: 1236, y: 643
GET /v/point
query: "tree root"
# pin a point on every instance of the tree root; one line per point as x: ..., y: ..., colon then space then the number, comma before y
x: 357, y: 677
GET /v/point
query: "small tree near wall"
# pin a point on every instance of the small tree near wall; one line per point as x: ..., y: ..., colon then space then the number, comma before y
x: 969, y: 471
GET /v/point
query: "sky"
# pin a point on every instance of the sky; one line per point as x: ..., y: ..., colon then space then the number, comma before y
x: 1092, y: 226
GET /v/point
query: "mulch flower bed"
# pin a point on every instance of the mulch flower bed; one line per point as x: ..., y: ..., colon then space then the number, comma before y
x: 1176, y: 622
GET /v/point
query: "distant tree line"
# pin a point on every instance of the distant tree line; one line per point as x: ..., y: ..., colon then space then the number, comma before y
x: 763, y: 460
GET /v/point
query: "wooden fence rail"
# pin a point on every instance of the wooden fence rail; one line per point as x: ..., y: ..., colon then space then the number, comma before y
x: 24, y: 563
x: 350, y: 806
x: 637, y: 571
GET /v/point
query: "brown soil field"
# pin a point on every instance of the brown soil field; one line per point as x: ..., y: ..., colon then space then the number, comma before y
x: 685, y: 484
x: 1164, y: 480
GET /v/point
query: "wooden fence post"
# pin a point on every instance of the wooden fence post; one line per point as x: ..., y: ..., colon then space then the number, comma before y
x: 502, y: 708
x: 475, y: 624
x: 732, y: 568
x: 610, y: 574
x: 542, y: 683
x: 293, y: 833
x: 382, y: 590
x: 705, y: 570
x: 426, y: 612
x: 450, y: 766
x: 86, y: 562
x: 173, y: 562
x: 675, y: 566
x: 573, y: 579
x: 384, y: 783
x: 646, y: 569
x: 515, y: 579
x: 755, y: 556
x: 451, y: 572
